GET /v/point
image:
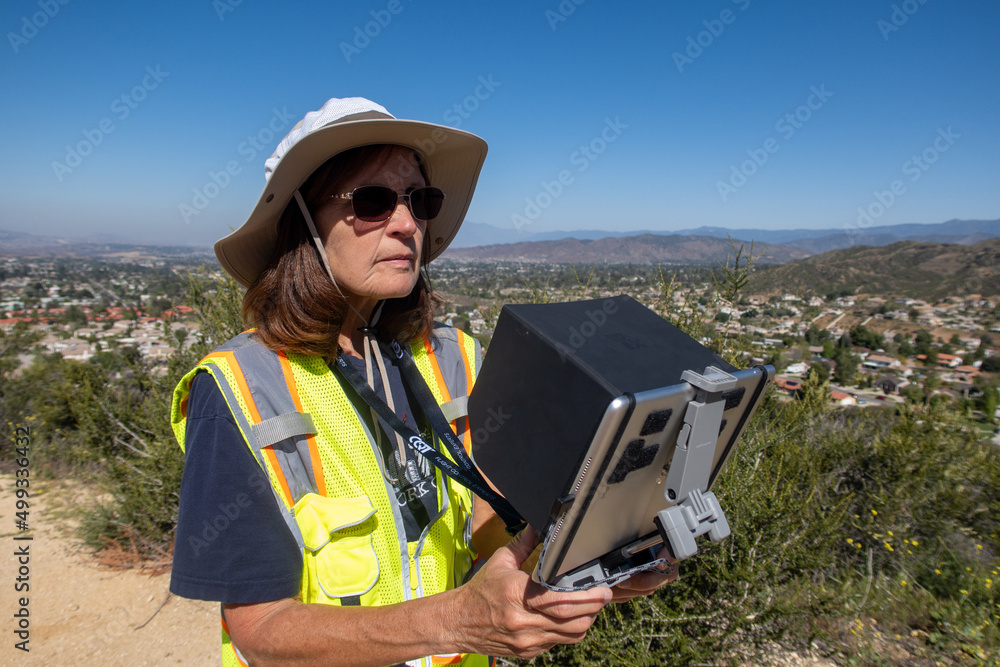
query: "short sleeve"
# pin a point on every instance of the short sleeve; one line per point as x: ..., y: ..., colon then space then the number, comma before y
x: 232, y: 544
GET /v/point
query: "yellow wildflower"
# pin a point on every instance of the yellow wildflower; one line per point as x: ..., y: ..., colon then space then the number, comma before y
x: 874, y: 513
x: 937, y: 571
x: 850, y: 541
x: 888, y: 546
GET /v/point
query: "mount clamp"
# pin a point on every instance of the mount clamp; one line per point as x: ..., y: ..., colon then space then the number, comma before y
x: 695, y: 511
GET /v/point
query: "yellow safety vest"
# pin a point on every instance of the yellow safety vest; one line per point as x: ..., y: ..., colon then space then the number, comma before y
x: 326, y: 474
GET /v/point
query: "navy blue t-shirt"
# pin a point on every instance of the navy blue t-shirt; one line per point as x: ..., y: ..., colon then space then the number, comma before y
x: 232, y: 544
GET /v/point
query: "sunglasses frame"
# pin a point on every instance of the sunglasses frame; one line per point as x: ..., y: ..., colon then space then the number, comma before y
x: 405, y: 196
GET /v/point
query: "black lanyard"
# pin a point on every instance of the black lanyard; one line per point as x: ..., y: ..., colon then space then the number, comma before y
x: 468, y: 474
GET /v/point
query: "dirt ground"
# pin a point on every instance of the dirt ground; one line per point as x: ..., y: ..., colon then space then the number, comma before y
x: 81, y: 613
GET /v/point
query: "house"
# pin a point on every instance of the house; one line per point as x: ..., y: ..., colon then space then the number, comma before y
x: 966, y: 373
x: 787, y: 385
x: 842, y: 398
x: 890, y: 384
x: 878, y: 362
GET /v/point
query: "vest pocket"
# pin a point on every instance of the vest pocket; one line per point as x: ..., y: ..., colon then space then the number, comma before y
x: 339, y: 554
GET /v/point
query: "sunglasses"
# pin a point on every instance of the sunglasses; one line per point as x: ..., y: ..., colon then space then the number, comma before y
x: 376, y: 203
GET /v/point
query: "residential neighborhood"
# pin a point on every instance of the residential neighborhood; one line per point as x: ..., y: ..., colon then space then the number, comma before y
x: 873, y: 348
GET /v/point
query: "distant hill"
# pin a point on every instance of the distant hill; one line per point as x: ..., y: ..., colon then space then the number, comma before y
x: 814, y: 241
x: 19, y: 244
x: 906, y: 268
x: 641, y: 249
x: 963, y: 232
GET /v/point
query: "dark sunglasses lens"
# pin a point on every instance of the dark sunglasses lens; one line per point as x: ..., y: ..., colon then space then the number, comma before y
x: 373, y: 203
x: 425, y: 203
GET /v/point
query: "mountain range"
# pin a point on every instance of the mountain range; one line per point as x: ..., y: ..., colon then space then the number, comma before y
x: 812, y: 241
x: 641, y: 249
x: 702, y: 245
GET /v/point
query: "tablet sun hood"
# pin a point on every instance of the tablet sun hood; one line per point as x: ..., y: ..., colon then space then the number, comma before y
x: 605, y: 427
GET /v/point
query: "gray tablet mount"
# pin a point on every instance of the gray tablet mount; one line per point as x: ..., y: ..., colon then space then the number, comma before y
x: 693, y: 511
x: 696, y: 512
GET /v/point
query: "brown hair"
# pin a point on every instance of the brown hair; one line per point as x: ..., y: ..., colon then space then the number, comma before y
x: 293, y: 303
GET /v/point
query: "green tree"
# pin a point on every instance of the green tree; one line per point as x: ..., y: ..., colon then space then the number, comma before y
x: 816, y: 336
x: 819, y: 371
x: 864, y: 337
x: 847, y: 368
x: 988, y: 403
x: 922, y: 342
x: 990, y: 365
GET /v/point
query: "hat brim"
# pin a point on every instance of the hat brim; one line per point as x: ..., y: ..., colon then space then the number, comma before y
x: 452, y: 158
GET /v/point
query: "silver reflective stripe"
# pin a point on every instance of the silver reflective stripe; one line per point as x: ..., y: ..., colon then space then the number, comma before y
x: 290, y: 424
x: 247, y: 429
x: 455, y: 408
x: 266, y: 381
x: 444, y: 342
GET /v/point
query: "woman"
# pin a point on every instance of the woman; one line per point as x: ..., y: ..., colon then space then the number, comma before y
x: 304, y: 508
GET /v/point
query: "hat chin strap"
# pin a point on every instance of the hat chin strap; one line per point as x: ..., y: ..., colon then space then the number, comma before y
x: 370, y: 345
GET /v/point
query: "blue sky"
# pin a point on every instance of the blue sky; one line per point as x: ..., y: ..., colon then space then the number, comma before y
x: 735, y: 113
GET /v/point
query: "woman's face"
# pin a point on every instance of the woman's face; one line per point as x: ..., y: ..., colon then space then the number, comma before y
x: 374, y: 261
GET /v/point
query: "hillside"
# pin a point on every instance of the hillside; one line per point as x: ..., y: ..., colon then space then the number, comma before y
x: 641, y: 249
x: 920, y: 270
x: 813, y: 241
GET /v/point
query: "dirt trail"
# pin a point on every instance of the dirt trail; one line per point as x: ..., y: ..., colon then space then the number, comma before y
x: 81, y: 613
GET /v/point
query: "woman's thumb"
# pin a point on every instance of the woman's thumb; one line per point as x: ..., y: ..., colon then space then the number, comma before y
x: 519, y: 548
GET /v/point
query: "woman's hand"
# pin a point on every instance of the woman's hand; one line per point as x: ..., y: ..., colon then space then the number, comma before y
x: 502, y: 612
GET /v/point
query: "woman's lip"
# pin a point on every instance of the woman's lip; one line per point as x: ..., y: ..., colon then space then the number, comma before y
x: 399, y: 258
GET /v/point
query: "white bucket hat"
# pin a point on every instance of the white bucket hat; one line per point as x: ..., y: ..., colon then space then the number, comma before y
x: 452, y: 160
